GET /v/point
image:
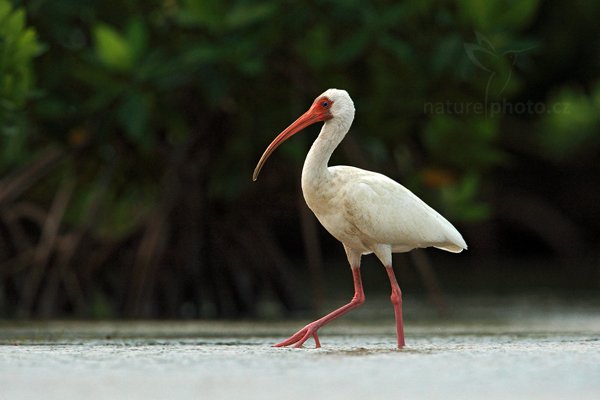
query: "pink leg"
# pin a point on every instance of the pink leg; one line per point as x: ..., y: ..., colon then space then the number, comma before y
x: 311, y: 329
x: 396, y: 298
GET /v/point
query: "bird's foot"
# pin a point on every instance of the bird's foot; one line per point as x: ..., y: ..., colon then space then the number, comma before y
x: 298, y: 338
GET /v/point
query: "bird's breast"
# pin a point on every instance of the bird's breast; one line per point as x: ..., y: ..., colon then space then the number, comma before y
x: 327, y: 202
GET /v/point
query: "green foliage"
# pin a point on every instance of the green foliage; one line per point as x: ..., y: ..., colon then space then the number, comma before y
x: 463, y: 143
x: 219, y: 16
x: 461, y: 199
x: 138, y: 82
x: 570, y: 128
x: 113, y: 49
x: 18, y: 47
x: 494, y: 15
x: 159, y: 109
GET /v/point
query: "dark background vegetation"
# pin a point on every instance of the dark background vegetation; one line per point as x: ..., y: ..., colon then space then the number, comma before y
x: 129, y: 131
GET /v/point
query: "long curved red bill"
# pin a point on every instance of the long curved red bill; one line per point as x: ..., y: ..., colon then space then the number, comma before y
x: 306, y: 119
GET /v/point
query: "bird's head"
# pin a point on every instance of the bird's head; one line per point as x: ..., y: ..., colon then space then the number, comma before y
x: 341, y: 105
x: 333, y: 105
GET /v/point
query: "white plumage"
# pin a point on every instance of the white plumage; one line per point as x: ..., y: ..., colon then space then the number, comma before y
x: 366, y: 211
x: 363, y: 209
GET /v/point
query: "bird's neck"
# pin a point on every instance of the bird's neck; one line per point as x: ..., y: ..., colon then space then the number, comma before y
x: 315, y: 170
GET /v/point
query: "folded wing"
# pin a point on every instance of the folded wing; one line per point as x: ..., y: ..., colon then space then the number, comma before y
x: 386, y: 212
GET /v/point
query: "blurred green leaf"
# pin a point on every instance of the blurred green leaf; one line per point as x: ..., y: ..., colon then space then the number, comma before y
x: 113, y: 49
x: 5, y: 9
x: 463, y: 142
x: 134, y: 113
x: 15, y: 22
x: 571, y: 125
x: 18, y: 47
x: 137, y: 38
x: 461, y: 199
x: 491, y: 15
x: 244, y: 14
x: 216, y: 16
x: 207, y: 13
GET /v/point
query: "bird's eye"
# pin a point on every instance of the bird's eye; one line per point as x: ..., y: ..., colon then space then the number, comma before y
x: 325, y: 104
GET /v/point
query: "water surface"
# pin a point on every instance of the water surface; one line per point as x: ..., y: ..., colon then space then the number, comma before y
x: 531, y: 352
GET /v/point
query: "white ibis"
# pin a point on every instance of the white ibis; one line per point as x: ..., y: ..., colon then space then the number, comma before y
x: 366, y: 211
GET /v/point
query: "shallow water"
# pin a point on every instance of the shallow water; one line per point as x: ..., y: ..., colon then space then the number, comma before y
x: 531, y: 352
